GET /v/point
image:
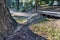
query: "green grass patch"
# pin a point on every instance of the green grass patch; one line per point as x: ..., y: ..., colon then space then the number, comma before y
x: 19, y: 19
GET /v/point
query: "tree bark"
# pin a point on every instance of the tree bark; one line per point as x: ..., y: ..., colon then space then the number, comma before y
x: 7, y: 23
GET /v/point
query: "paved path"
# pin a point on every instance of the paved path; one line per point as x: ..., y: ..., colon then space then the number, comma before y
x: 51, y: 13
x: 27, y: 14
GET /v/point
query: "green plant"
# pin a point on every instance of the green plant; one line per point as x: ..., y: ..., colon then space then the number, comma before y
x: 43, y: 3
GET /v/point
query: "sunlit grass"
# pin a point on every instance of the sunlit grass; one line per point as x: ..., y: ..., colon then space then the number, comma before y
x: 19, y: 19
x: 46, y: 29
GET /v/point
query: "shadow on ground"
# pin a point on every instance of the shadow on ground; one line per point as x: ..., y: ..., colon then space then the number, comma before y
x: 24, y: 33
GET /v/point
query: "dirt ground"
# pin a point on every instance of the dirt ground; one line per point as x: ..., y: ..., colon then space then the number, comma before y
x: 57, y: 23
x: 48, y: 29
x: 52, y: 22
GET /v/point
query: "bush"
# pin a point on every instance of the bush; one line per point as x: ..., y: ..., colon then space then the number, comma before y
x: 43, y: 3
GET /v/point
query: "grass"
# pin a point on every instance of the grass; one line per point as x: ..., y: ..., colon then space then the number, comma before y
x: 47, y: 29
x: 19, y: 19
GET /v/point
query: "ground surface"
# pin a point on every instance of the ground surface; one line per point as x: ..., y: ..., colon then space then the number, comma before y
x: 49, y: 29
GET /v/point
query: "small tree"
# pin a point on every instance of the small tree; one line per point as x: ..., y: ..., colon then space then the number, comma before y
x: 17, y: 2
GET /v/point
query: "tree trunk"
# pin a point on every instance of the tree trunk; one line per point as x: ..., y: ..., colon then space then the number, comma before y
x: 7, y: 23
x: 17, y: 2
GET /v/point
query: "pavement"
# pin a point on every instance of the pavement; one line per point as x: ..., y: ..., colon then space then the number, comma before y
x: 51, y: 13
x: 29, y: 14
x: 26, y: 14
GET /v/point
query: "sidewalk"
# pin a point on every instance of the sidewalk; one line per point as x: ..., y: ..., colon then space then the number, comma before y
x: 50, y: 13
x: 27, y: 14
